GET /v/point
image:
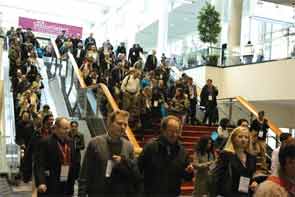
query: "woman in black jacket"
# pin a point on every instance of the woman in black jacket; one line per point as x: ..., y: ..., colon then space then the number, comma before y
x: 236, y: 167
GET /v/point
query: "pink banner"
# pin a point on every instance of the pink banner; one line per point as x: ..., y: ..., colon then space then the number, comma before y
x: 48, y: 27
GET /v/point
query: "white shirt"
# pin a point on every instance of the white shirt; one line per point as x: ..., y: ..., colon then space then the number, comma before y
x: 133, y: 85
x: 275, y: 164
x: 78, y: 53
x: 249, y: 50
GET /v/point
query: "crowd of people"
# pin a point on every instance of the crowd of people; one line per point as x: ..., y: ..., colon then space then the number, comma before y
x: 233, y: 165
x: 140, y: 86
x: 36, y: 128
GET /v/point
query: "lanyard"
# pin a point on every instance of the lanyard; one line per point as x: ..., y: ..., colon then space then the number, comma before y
x: 65, y: 151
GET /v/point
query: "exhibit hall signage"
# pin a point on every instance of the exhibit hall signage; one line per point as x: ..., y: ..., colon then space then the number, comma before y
x: 48, y: 27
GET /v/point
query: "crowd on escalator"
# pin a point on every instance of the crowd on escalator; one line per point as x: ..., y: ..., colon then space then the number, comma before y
x: 34, y: 120
x: 231, y: 162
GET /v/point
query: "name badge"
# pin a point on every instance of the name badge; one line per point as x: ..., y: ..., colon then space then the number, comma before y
x: 109, y: 168
x: 210, y: 98
x: 260, y: 134
x: 64, y: 173
x: 244, y: 184
x: 156, y: 103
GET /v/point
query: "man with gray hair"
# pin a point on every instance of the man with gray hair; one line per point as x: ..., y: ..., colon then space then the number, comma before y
x: 108, y: 168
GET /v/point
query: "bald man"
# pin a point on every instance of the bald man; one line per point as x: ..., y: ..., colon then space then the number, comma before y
x: 55, y: 162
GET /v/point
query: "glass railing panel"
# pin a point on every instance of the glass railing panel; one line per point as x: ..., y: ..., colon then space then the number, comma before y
x: 234, y: 110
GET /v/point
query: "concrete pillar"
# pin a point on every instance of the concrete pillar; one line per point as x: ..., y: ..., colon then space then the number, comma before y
x: 163, y: 28
x: 234, y: 32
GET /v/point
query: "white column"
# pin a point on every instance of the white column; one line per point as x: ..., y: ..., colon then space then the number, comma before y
x: 163, y: 27
x: 234, y: 30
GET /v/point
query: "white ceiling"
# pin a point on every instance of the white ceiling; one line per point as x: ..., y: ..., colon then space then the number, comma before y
x: 88, y: 10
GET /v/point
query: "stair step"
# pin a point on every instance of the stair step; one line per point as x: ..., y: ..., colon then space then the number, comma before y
x: 195, y: 127
x: 190, y: 139
x: 194, y: 133
x: 187, y: 190
x: 189, y: 145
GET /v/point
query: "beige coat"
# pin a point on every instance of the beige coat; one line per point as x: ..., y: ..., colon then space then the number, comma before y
x: 270, y: 189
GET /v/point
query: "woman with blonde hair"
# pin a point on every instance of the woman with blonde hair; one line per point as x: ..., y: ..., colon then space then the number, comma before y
x: 235, y: 167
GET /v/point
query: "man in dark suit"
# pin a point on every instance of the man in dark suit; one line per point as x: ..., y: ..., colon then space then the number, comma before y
x: 79, y: 54
x: 55, y: 162
x: 89, y: 41
x: 134, y: 54
x: 109, y: 169
x: 208, y: 100
x: 121, y: 49
x: 151, y: 62
x: 79, y: 144
x: 76, y: 40
x: 164, y: 161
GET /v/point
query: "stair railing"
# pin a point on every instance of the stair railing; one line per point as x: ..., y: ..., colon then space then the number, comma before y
x: 238, y: 107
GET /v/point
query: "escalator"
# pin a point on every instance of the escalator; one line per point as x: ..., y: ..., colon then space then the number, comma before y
x: 72, y: 97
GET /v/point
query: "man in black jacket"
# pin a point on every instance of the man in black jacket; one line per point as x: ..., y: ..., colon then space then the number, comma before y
x: 79, y: 144
x: 89, y: 41
x: 151, y: 62
x: 121, y: 49
x: 79, y: 54
x: 55, y: 162
x: 134, y: 54
x: 164, y: 162
x: 208, y: 100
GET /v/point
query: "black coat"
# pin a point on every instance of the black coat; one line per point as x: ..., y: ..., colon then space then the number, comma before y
x: 258, y: 127
x: 205, y: 96
x: 48, y: 167
x: 151, y: 63
x: 89, y: 41
x: 163, y: 170
x: 24, y: 132
x: 117, y: 76
x: 30, y: 155
x: 121, y: 49
x: 124, y: 176
x: 79, y: 59
x: 238, y: 170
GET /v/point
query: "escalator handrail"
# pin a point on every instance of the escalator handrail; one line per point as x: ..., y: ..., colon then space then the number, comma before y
x: 77, y: 71
x: 254, y: 111
x: 109, y: 97
x: 56, y: 51
x: 115, y: 107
